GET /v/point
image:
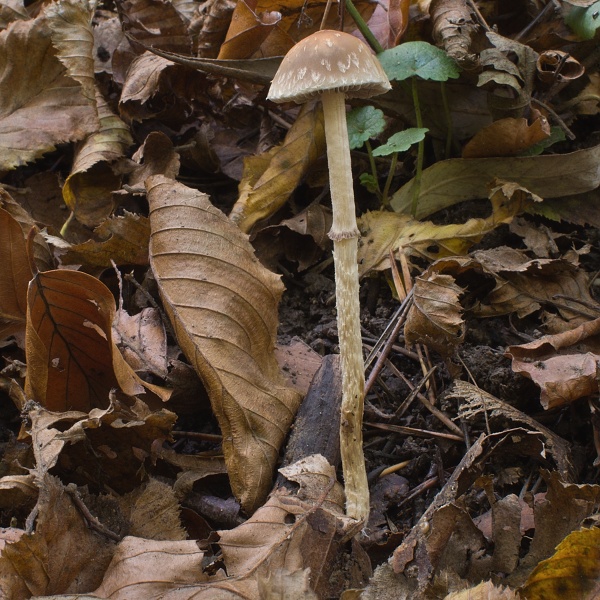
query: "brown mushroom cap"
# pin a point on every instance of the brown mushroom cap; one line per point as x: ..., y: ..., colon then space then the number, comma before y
x: 328, y: 61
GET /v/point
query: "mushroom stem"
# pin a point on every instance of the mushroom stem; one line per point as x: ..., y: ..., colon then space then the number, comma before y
x: 344, y: 233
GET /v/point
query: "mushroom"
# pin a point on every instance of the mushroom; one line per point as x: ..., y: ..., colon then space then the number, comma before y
x: 334, y: 65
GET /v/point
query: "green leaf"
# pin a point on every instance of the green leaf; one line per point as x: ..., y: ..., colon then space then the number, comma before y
x: 401, y: 141
x: 363, y: 124
x: 418, y: 58
x: 584, y: 21
x: 369, y: 182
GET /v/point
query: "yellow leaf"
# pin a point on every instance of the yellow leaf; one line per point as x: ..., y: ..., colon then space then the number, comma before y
x: 268, y: 181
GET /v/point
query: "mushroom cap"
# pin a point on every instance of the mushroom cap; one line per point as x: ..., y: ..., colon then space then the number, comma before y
x: 328, y: 61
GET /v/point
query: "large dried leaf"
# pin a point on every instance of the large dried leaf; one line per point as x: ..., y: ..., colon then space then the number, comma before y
x: 448, y: 182
x: 45, y: 106
x: 384, y: 232
x: 14, y: 276
x: 72, y: 361
x: 87, y: 190
x: 564, y: 365
x: 62, y: 555
x: 223, y: 306
x: 269, y: 180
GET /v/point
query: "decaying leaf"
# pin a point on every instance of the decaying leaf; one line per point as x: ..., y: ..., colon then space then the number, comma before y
x: 43, y: 562
x: 573, y: 571
x: 14, y: 277
x: 269, y: 180
x: 33, y: 119
x: 223, y: 306
x: 87, y: 190
x: 384, y: 232
x: 122, y: 240
x: 435, y: 317
x: 449, y: 182
x: 73, y: 362
x: 563, y: 365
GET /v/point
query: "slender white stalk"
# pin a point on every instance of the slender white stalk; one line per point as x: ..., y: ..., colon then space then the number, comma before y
x: 344, y: 233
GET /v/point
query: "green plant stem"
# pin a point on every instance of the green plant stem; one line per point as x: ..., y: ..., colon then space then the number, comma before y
x: 420, y: 150
x: 374, y: 169
x: 385, y: 200
x: 448, y: 116
x: 363, y: 27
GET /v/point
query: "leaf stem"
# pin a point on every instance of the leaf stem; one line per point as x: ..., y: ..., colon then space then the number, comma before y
x: 374, y: 170
x: 385, y: 200
x: 363, y: 27
x: 420, y: 150
x: 448, y: 117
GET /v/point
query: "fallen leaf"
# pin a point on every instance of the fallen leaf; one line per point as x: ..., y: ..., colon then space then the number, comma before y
x: 87, y: 190
x: 14, y: 277
x: 573, y: 571
x: 223, y: 306
x: 33, y: 119
x: 384, y: 232
x: 435, y: 318
x: 44, y: 561
x: 73, y: 362
x: 506, y: 137
x: 564, y: 365
x: 448, y: 182
x: 269, y: 180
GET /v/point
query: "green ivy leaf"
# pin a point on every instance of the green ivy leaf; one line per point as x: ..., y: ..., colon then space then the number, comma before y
x: 418, y: 58
x: 584, y: 21
x: 401, y: 141
x: 364, y: 123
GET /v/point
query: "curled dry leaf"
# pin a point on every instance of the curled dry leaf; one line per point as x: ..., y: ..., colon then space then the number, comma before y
x: 87, y: 190
x: 435, y: 317
x: 72, y: 361
x: 45, y: 106
x: 564, y: 365
x: 269, y: 180
x: 223, y: 306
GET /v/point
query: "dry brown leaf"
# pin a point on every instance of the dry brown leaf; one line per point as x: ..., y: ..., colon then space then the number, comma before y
x: 564, y: 365
x: 14, y: 277
x: 484, y: 591
x: 72, y: 37
x: 223, y: 306
x: 247, y: 31
x: 123, y: 240
x: 33, y: 118
x: 156, y: 157
x: 153, y: 512
x: 524, y: 286
x: 87, y: 190
x: 153, y: 569
x: 435, y: 318
x: 142, y: 340
x: 42, y: 255
x: 72, y: 360
x: 270, y: 179
x: 506, y: 137
x: 62, y: 555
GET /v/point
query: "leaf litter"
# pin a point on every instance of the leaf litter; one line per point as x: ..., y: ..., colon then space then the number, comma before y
x: 158, y: 341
